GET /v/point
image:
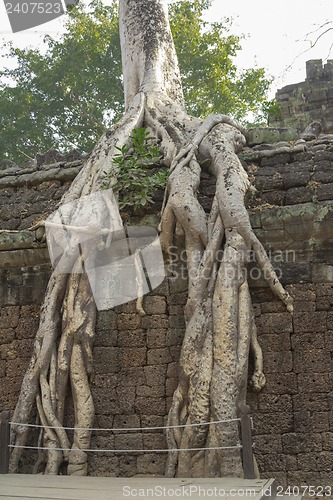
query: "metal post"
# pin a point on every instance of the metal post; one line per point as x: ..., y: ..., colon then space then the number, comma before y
x: 247, y: 452
x: 4, y: 442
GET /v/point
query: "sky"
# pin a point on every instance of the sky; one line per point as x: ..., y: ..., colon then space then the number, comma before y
x: 275, y: 33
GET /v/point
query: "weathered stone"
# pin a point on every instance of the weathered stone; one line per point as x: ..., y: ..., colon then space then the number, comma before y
x: 154, y: 305
x: 154, y: 406
x: 128, y: 322
x: 275, y: 323
x: 156, y: 338
x: 295, y: 443
x: 281, y: 383
x: 132, y: 356
x: 314, y: 382
x: 278, y: 362
x: 275, y: 403
x: 155, y: 375
x: 132, y: 338
x: 306, y: 421
x: 311, y: 402
x: 159, y: 356
x: 310, y: 322
x: 157, y: 321
x: 312, y: 360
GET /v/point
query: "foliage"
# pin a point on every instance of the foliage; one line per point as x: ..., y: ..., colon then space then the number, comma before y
x: 64, y: 95
x: 211, y: 81
x: 136, y: 179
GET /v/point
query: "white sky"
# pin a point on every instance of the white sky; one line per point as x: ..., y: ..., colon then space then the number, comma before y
x: 275, y: 31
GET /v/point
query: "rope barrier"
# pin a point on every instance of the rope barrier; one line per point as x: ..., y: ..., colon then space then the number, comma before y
x: 126, y: 429
x: 98, y: 450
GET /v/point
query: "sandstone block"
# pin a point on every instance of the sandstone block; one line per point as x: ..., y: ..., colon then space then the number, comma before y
x: 312, y: 360
x: 128, y: 321
x: 150, y: 406
x: 154, y: 304
x: 156, y: 338
x: 155, y: 375
x: 159, y: 356
x: 295, y: 443
x: 132, y: 356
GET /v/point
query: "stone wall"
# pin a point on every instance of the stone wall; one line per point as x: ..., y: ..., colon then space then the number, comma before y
x: 311, y: 100
x: 136, y: 358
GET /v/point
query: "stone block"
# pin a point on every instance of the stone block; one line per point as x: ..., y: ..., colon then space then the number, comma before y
x: 274, y: 341
x: 302, y: 291
x: 312, y: 360
x: 311, y: 462
x: 126, y: 399
x: 155, y: 375
x: 157, y: 391
x: 150, y: 421
x: 281, y: 383
x: 272, y: 461
x: 156, y: 338
x: 307, y: 340
x: 272, y: 423
x: 171, y: 385
x: 132, y: 376
x: 105, y: 380
x: 266, y: 444
x: 275, y: 323
x: 7, y: 335
x: 327, y: 441
x: 154, y: 441
x: 127, y: 465
x: 306, y: 421
x: 298, y: 195
x: 295, y: 443
x: 174, y: 336
x: 272, y: 307
x: 128, y: 441
x: 176, y: 310
x: 311, y: 402
x: 151, y: 463
x: 106, y: 358
x: 310, y: 322
x: 172, y: 371
x: 155, y: 321
x: 9, y: 316
x: 175, y: 352
x: 159, y: 356
x: 269, y: 135
x: 329, y: 340
x: 132, y: 338
x: 128, y: 322
x: 278, y: 362
x: 177, y: 322
x: 269, y: 403
x: 313, y: 382
x: 154, y: 304
x: 106, y: 321
x: 150, y: 406
x: 177, y: 299
x: 325, y: 192
x: 130, y: 357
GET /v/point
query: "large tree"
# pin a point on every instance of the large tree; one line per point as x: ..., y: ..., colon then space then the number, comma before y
x: 220, y: 328
x: 70, y: 90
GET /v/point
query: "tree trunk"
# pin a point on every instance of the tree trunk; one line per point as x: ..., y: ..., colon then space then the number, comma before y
x: 220, y: 328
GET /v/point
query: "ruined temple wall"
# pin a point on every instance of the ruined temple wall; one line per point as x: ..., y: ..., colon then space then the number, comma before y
x: 311, y: 100
x: 136, y: 358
